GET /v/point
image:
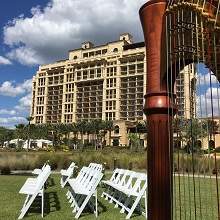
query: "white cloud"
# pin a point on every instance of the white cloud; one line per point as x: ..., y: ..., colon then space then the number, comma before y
x: 7, y: 112
x: 4, y: 61
x: 209, y: 103
x: 14, y: 120
x: 64, y: 25
x: 205, y: 79
x: 24, y: 103
x: 9, y: 88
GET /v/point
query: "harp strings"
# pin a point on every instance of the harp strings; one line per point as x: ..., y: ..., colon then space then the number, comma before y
x: 191, y: 175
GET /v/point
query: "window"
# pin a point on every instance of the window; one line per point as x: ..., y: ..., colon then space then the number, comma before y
x: 40, y: 100
x: 98, y: 52
x: 131, y: 69
x: 85, y: 74
x: 39, y: 119
x: 116, y: 129
x: 69, y: 87
x: 99, y: 72
x: 70, y: 77
x: 110, y: 105
x: 104, y: 51
x: 75, y: 57
x: 110, y: 116
x: 111, y: 82
x: 92, y: 73
x: 91, y: 54
x: 40, y: 110
x: 68, y: 118
x: 124, y: 70
x: 111, y: 71
x: 68, y: 108
x: 79, y: 75
x: 69, y: 97
x: 41, y: 91
x: 111, y: 94
x: 115, y: 50
x: 41, y: 81
x: 140, y: 68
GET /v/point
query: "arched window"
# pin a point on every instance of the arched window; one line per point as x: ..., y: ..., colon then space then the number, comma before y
x: 199, y: 144
x: 75, y: 57
x: 115, y: 50
x: 177, y: 144
x: 211, y: 145
x: 117, y: 129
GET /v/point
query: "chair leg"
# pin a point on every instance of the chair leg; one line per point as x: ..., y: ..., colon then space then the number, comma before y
x: 96, y: 204
x: 27, y: 206
x: 137, y: 200
x: 42, y: 204
x: 25, y: 202
x: 145, y: 203
x: 82, y: 206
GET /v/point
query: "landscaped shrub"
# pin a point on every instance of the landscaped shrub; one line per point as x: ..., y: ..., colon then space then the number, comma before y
x: 124, y: 158
x: 5, y: 170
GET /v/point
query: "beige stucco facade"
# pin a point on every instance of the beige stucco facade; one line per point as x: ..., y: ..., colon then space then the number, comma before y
x: 106, y: 82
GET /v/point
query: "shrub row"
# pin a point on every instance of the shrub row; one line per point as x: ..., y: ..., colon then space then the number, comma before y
x: 60, y: 160
x: 111, y: 158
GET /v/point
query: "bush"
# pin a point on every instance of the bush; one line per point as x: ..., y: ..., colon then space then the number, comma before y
x: 5, y: 170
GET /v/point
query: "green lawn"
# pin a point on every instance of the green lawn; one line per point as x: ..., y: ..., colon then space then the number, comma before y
x: 56, y: 205
x: 195, y: 198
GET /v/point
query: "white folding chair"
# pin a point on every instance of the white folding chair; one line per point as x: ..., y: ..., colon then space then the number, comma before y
x: 127, y: 191
x: 66, y: 174
x: 83, y: 191
x: 32, y: 188
x: 38, y: 171
x: 96, y: 166
x: 134, y: 194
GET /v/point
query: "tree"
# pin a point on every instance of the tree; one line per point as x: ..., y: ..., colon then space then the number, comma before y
x: 141, y: 129
x: 81, y: 127
x: 6, y: 135
x: 109, y: 128
x: 212, y: 127
x: 29, y: 119
x: 192, y: 130
x: 20, y: 131
x: 134, y: 141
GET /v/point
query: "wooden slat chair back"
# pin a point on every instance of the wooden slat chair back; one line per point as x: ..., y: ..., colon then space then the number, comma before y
x: 33, y: 189
x: 66, y: 174
x: 83, y: 187
x: 127, y: 192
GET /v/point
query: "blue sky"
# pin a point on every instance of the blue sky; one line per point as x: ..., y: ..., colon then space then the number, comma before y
x: 14, y: 72
x: 34, y: 32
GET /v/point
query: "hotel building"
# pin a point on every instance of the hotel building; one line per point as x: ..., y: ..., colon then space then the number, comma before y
x: 106, y: 82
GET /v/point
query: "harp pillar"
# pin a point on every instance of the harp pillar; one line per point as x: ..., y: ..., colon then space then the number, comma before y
x: 159, y: 109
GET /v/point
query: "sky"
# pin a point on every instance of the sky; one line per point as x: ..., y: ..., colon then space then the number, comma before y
x: 35, y: 32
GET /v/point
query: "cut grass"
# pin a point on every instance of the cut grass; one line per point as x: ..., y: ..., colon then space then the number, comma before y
x: 56, y: 204
x: 204, y: 206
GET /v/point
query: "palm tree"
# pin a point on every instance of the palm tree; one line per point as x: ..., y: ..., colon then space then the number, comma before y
x: 81, y: 127
x: 29, y: 119
x: 141, y: 129
x: 74, y: 130
x: 134, y: 140
x: 6, y: 135
x: 109, y: 127
x: 20, y: 131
